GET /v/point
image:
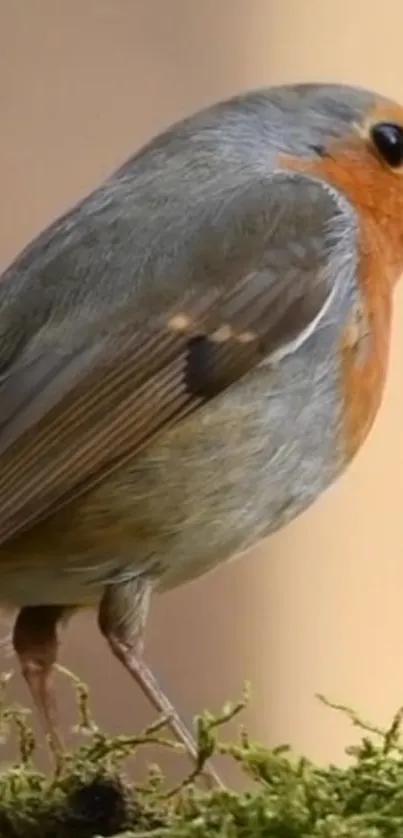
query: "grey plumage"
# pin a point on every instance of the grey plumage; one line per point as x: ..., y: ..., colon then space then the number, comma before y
x: 190, y: 218
x: 170, y: 366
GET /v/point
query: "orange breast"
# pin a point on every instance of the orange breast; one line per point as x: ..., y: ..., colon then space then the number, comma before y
x: 377, y: 195
x: 364, y: 374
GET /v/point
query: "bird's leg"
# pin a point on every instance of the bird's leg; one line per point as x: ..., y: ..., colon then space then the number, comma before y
x: 36, y: 645
x: 122, y: 617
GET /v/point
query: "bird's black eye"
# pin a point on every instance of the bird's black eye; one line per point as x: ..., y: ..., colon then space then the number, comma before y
x: 387, y: 138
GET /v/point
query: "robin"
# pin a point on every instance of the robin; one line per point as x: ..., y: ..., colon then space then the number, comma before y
x: 190, y: 356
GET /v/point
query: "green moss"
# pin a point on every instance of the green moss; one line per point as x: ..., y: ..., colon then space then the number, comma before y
x: 291, y: 797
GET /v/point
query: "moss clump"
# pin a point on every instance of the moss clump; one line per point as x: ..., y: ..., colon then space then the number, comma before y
x: 291, y: 797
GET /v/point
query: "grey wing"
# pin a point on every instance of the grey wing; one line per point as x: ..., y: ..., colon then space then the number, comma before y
x: 82, y: 395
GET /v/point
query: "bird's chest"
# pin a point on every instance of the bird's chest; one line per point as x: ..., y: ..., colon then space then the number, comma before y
x: 366, y: 326
x: 364, y: 346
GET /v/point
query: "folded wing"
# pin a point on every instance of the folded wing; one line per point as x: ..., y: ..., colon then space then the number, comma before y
x: 77, y: 402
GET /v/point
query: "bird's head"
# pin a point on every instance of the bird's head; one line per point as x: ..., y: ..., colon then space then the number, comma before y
x: 353, y: 139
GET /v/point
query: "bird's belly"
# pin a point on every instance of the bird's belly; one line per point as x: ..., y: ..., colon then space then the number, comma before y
x: 229, y: 475
x: 257, y: 464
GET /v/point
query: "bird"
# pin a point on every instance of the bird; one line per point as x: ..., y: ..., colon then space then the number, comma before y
x: 190, y: 356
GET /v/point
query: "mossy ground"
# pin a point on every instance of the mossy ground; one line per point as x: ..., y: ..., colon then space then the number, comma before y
x: 291, y: 797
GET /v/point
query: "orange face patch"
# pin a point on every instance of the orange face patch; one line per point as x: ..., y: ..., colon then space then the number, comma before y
x: 377, y: 195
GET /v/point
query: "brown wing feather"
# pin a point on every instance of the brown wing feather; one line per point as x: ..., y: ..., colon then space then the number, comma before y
x: 134, y: 390
x: 108, y: 411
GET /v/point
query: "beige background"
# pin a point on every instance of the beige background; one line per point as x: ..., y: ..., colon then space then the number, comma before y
x: 317, y: 608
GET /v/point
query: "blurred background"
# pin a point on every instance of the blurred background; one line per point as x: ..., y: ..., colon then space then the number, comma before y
x: 317, y: 608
